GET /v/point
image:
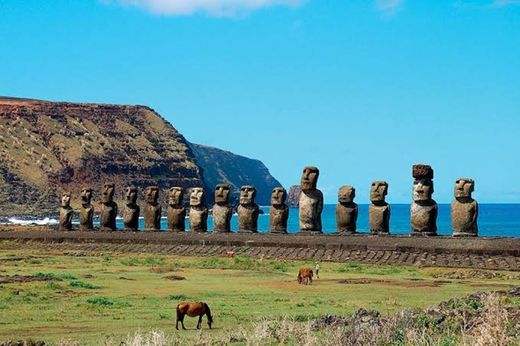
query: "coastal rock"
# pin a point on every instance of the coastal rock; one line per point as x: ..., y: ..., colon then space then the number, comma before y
x: 293, y: 200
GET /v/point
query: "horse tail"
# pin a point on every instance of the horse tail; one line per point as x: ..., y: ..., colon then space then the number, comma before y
x: 208, y: 312
x: 179, y: 312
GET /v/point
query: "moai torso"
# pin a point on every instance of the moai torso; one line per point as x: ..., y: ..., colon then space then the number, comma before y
x: 311, y: 201
x: 346, y: 211
x: 86, y: 214
x: 379, y: 210
x: 198, y: 211
x: 176, y: 212
x: 279, y: 211
x: 65, y: 214
x: 247, y: 210
x: 464, y: 210
x: 108, y: 212
x: 222, y: 211
x: 131, y: 211
x: 152, y: 209
x: 423, y: 211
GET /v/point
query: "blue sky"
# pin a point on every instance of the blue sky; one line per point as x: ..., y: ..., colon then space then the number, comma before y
x: 361, y: 89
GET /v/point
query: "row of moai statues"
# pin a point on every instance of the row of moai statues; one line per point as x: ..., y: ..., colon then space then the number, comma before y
x: 247, y: 210
x: 464, y: 209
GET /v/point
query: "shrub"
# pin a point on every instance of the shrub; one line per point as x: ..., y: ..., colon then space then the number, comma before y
x: 83, y: 284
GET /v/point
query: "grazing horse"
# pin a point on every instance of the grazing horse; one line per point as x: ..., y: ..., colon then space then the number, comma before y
x: 305, y: 276
x: 193, y: 310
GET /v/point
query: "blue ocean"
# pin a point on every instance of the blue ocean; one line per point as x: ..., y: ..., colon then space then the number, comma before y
x: 495, y: 220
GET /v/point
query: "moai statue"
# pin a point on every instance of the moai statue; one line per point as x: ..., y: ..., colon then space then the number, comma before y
x: 152, y: 209
x: 379, y: 210
x: 176, y: 212
x: 311, y: 201
x: 107, y: 218
x: 424, y: 209
x: 198, y: 211
x: 222, y: 211
x: 464, y: 209
x: 248, y: 210
x: 86, y: 214
x: 131, y: 212
x: 279, y: 211
x: 346, y: 210
x: 65, y: 213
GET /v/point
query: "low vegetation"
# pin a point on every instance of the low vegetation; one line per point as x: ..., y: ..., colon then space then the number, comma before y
x: 109, y: 298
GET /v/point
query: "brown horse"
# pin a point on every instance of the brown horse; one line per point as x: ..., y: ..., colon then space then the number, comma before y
x: 305, y: 276
x: 193, y: 310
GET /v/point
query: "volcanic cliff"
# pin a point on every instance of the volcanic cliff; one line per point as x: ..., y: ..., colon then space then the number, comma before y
x: 50, y: 147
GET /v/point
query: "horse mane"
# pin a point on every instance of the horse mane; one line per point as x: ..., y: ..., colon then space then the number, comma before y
x: 208, y: 312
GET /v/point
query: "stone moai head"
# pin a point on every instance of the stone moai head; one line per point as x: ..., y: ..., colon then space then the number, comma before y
x: 107, y: 194
x: 131, y: 195
x: 247, y: 195
x: 378, y: 191
x: 65, y: 200
x: 222, y: 192
x: 464, y: 187
x: 278, y: 196
x: 197, y: 197
x: 346, y: 194
x: 175, y: 196
x: 422, y: 189
x: 86, y: 195
x: 309, y: 179
x: 151, y: 194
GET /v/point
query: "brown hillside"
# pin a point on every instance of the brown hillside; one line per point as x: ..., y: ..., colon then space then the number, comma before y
x: 50, y: 147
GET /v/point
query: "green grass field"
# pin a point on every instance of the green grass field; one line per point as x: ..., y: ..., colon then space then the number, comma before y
x: 93, y: 299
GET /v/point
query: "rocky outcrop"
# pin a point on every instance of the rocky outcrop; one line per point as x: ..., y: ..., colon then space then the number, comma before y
x: 294, y: 196
x: 220, y: 166
x: 47, y: 148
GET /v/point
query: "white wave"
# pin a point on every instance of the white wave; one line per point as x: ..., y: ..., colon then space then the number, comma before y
x: 39, y: 222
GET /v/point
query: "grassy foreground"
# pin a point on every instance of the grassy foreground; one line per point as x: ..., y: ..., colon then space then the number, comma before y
x: 106, y: 298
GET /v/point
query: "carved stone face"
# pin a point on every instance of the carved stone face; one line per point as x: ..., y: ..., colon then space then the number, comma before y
x: 175, y: 196
x: 278, y: 196
x: 422, y: 190
x: 151, y: 194
x: 107, y: 194
x: 131, y: 195
x: 309, y: 178
x: 65, y: 200
x: 86, y: 195
x: 196, y: 197
x: 378, y: 191
x: 346, y: 194
x: 464, y: 187
x: 222, y: 193
x: 247, y: 194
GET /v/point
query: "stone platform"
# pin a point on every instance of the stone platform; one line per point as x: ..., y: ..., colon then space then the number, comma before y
x: 481, y: 253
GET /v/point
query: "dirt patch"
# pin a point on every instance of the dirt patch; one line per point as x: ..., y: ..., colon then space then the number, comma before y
x: 175, y: 277
x: 400, y: 283
x: 7, y: 279
x: 124, y: 278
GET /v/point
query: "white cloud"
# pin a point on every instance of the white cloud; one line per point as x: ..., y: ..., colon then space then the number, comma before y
x: 389, y: 7
x: 212, y: 7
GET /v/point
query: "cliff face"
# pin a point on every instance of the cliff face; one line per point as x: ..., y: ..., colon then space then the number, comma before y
x: 50, y: 147
x: 47, y: 148
x: 220, y: 166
